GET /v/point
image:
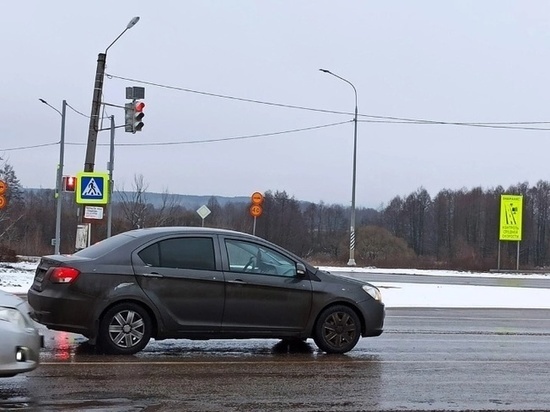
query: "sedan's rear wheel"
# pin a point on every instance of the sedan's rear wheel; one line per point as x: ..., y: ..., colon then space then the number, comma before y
x: 337, y: 330
x: 125, y: 329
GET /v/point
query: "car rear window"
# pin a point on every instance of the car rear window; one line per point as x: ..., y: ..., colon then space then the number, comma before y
x: 102, y: 247
x: 181, y: 253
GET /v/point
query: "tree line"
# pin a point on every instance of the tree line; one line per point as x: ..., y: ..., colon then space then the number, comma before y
x: 456, y: 229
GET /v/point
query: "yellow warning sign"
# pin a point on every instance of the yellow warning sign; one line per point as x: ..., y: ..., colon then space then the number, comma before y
x: 511, y: 207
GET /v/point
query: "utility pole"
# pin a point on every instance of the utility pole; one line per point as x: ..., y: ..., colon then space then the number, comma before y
x: 94, y: 116
x: 93, y: 129
x: 96, y: 102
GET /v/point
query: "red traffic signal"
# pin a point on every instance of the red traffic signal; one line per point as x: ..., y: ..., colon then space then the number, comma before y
x: 133, y: 115
x: 139, y: 105
x: 69, y: 183
x: 138, y: 115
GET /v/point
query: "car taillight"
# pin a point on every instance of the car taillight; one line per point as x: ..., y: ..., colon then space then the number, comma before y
x: 63, y: 274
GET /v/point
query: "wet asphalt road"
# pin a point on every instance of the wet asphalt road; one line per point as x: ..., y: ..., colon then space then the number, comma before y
x: 427, y: 359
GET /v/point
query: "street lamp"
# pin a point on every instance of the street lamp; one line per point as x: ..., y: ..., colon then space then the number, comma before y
x: 59, y: 174
x: 96, y: 102
x: 351, y: 261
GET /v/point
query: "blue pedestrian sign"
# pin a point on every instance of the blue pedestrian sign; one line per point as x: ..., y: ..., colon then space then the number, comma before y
x: 92, y: 188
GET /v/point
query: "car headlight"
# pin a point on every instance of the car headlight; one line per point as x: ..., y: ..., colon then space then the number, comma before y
x: 373, y: 292
x: 13, y: 316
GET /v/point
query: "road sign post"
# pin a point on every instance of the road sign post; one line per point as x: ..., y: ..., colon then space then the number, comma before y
x: 256, y: 208
x: 203, y: 212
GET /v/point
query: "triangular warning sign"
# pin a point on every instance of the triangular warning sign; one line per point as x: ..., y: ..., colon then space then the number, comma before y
x: 92, y: 189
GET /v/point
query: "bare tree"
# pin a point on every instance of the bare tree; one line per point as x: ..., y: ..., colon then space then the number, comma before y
x: 134, y: 206
x: 168, y: 208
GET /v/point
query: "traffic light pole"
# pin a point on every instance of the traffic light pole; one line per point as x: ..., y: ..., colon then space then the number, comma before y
x: 111, y: 183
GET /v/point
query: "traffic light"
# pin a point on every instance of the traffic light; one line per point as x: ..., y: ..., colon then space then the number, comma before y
x: 133, y: 116
x: 129, y: 117
x: 69, y: 183
x: 138, y: 115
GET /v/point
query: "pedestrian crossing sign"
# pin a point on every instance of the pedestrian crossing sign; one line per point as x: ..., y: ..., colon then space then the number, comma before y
x: 92, y: 188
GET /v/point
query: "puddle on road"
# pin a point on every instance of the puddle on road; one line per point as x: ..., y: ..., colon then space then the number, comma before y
x: 103, y: 405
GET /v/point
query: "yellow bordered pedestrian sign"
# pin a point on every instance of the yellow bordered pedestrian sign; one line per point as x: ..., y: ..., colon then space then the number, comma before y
x: 92, y: 188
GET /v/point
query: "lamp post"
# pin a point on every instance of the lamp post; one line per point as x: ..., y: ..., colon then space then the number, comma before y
x: 351, y: 261
x: 96, y: 102
x: 59, y: 183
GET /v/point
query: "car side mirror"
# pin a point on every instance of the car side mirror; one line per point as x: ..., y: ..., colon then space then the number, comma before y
x: 301, y: 269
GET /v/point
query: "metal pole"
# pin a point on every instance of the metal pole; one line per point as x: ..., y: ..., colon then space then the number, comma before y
x: 111, y: 168
x: 60, y: 180
x: 498, y: 256
x: 351, y: 261
x: 517, y: 257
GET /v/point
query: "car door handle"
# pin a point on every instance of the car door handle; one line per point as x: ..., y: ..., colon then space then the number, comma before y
x: 152, y: 275
x: 237, y: 281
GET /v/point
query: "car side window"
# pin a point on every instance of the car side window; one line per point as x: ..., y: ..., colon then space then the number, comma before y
x: 181, y: 253
x: 253, y: 258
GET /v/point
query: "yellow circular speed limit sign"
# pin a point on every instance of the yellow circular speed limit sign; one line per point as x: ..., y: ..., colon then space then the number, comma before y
x: 256, y: 210
x: 3, y: 202
x: 3, y: 187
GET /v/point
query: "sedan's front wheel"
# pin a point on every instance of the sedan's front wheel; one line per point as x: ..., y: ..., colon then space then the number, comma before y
x: 125, y: 329
x: 337, y: 330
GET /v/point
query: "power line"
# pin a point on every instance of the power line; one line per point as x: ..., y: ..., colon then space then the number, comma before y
x: 29, y: 147
x: 222, y: 139
x: 223, y: 96
x: 378, y: 119
x: 225, y: 139
x: 507, y: 125
x: 76, y: 111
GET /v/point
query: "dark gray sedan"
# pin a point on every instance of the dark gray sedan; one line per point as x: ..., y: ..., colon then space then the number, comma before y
x: 199, y: 283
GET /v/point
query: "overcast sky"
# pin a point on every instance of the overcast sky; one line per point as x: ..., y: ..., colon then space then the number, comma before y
x: 452, y: 61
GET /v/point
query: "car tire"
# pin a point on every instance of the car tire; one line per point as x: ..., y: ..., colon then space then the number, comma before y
x: 337, y: 330
x: 124, y: 329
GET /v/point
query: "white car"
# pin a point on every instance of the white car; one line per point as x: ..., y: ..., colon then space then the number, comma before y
x: 20, y: 341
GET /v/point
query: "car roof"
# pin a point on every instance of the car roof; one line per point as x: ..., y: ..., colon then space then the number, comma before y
x: 185, y: 229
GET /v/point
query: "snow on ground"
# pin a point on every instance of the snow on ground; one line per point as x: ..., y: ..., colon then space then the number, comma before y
x: 427, y: 272
x: 18, y: 277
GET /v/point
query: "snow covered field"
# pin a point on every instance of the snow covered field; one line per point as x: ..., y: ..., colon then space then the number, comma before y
x: 17, y: 278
